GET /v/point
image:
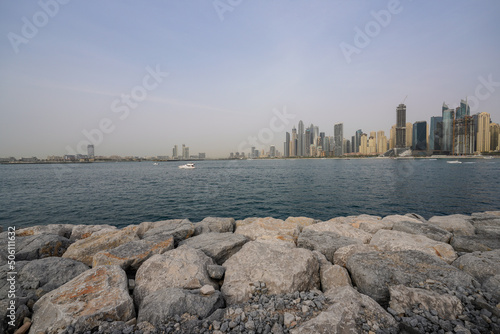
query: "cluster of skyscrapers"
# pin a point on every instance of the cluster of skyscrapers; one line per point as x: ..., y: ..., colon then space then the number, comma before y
x: 455, y: 132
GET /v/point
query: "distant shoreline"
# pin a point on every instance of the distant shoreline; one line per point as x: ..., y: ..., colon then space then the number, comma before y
x: 227, y: 159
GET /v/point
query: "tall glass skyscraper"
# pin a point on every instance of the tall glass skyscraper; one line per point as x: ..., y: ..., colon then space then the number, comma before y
x: 420, y: 136
x: 448, y: 120
x: 401, y: 126
x: 338, y: 134
x: 435, y: 134
x: 300, y: 140
x: 358, y: 140
x: 463, y: 110
x: 287, y: 145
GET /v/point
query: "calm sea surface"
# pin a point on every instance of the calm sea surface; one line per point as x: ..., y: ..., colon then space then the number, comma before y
x: 130, y: 193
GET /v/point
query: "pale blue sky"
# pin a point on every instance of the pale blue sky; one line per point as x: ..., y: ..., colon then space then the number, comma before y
x: 226, y: 77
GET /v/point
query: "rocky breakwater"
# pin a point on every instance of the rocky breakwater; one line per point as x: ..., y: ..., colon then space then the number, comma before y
x: 357, y: 274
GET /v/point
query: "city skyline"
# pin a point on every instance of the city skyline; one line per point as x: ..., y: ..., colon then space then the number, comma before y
x: 459, y: 134
x: 149, y: 76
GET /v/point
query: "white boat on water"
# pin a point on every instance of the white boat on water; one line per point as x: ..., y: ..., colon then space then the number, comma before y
x: 454, y: 162
x: 155, y: 164
x: 488, y: 157
x: 187, y: 166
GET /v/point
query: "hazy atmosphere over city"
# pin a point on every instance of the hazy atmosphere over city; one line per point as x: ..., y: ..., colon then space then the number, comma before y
x: 137, y: 78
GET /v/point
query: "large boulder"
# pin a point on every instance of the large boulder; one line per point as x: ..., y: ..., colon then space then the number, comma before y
x: 343, y: 254
x: 429, y: 230
x: 416, y: 216
x: 84, y: 250
x: 355, y: 221
x: 403, y: 299
x: 49, y: 273
x: 39, y: 246
x: 215, y: 224
x: 326, y: 243
x: 96, y: 295
x: 63, y: 230
x: 398, y: 241
x: 481, y: 265
x: 219, y: 246
x: 169, y: 302
x: 180, y: 229
x: 374, y: 272
x: 283, y: 269
x: 457, y: 224
x: 385, y: 223
x: 270, y: 228
x: 342, y: 229
x: 331, y: 276
x: 492, y: 285
x: 475, y: 243
x: 348, y: 311
x: 183, y: 267
x: 399, y: 218
x: 374, y: 226
x: 488, y: 218
x: 132, y: 254
x: 84, y: 231
x: 301, y: 221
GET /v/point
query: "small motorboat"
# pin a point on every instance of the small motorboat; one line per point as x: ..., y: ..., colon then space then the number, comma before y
x: 454, y: 162
x: 488, y: 157
x: 187, y: 166
x: 155, y: 164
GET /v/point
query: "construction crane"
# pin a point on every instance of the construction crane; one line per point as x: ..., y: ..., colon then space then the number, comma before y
x: 404, y: 99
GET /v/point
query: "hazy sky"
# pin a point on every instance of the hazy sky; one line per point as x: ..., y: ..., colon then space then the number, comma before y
x: 79, y: 66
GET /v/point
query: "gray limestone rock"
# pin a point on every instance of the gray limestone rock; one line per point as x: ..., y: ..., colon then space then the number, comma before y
x: 49, y: 273
x: 398, y: 241
x: 281, y: 268
x: 448, y: 307
x: 215, y: 271
x: 344, y: 253
x: 429, y: 230
x: 93, y: 296
x: 492, y: 285
x: 475, y: 243
x: 180, y: 229
x: 183, y: 267
x: 459, y: 225
x: 416, y: 216
x: 63, y: 230
x: 326, y: 243
x: 84, y: 250
x: 342, y: 315
x: 167, y: 303
x: 373, y: 273
x: 219, y: 246
x: 84, y: 231
x: 481, y: 265
x: 132, y: 254
x: 215, y: 224
x: 39, y: 246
